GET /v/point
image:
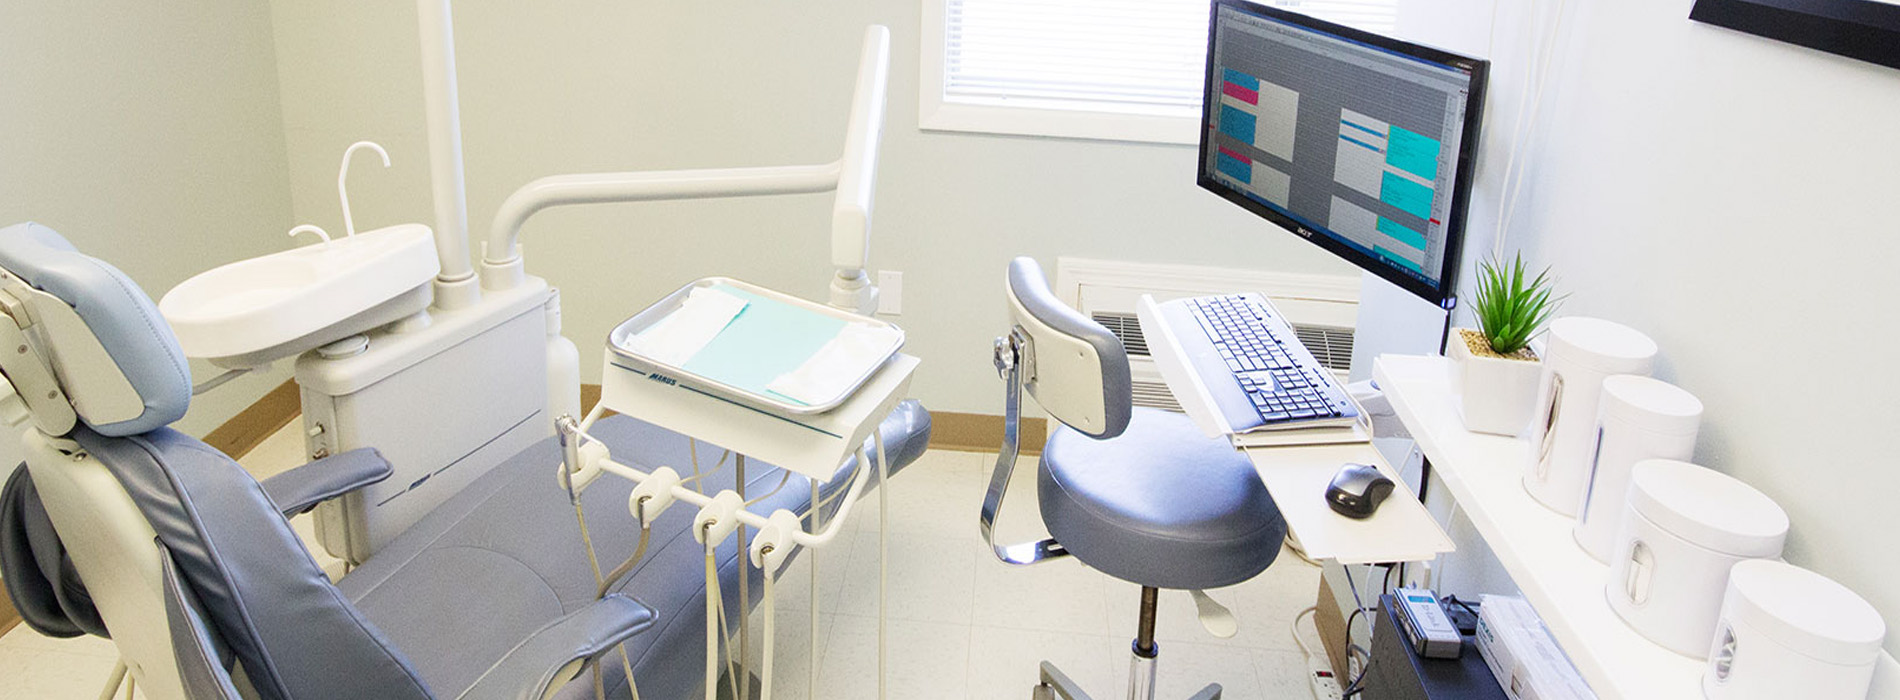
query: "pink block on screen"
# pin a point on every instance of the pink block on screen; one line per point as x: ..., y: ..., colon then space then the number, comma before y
x: 1251, y: 97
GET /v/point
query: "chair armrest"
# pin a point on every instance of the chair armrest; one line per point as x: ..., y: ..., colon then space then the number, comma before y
x: 549, y: 655
x: 302, y: 488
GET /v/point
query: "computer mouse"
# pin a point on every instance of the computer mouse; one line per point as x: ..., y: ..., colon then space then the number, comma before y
x: 1357, y: 490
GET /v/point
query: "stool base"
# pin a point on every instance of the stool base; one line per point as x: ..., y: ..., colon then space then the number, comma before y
x: 1141, y: 665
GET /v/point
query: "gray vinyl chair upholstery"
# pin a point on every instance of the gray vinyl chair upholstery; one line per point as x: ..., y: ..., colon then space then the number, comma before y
x: 486, y: 597
x: 1136, y: 493
x: 443, y: 548
x: 120, y: 316
x: 1160, y: 505
x: 1146, y: 497
x: 1053, y: 322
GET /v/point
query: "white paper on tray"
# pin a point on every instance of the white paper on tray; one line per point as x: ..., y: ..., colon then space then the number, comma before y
x: 683, y: 333
x: 857, y: 349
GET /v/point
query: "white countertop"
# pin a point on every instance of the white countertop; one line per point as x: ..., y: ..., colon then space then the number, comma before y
x: 1484, y: 474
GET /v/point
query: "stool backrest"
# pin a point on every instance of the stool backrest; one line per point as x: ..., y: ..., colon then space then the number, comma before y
x: 1075, y: 368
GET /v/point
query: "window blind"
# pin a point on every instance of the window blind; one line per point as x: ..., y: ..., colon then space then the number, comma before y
x: 1141, y: 56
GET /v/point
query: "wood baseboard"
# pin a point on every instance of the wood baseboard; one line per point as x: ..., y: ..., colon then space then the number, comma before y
x: 8, y: 616
x: 1332, y: 629
x: 248, y: 429
x: 590, y: 395
x: 976, y: 432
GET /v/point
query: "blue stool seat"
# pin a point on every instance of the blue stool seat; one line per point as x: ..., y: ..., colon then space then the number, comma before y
x: 1160, y: 505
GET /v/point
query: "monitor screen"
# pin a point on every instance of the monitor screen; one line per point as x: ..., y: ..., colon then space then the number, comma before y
x: 1360, y: 143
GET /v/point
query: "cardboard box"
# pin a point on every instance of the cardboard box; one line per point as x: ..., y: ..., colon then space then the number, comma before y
x: 1522, y: 654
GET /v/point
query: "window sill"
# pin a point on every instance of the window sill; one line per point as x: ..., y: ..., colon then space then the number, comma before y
x: 937, y: 115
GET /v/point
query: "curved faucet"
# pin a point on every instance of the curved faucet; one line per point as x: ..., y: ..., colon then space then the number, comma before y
x: 307, y: 228
x: 342, y: 178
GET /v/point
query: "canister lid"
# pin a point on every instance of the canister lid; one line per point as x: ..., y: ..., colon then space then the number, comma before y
x: 1605, y: 346
x: 1708, y: 508
x: 1805, y: 611
x: 1652, y: 404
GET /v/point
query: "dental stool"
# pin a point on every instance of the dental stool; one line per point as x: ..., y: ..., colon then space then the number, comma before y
x: 122, y: 527
x: 1135, y: 493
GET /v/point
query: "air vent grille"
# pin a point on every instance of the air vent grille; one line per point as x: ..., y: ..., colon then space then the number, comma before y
x: 1126, y: 327
x: 1331, y: 346
x: 1155, y: 395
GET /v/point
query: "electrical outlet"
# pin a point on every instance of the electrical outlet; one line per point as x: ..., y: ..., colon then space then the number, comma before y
x: 890, y: 292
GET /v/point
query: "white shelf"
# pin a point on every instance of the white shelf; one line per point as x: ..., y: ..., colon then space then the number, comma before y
x: 1484, y: 474
x: 1297, y: 476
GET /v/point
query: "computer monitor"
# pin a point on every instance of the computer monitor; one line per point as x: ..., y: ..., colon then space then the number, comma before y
x: 1360, y: 143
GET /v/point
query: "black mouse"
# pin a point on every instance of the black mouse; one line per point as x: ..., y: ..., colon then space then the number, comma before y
x: 1357, y: 490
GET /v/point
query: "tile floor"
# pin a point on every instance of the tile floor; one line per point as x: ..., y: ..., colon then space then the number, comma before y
x: 960, y: 625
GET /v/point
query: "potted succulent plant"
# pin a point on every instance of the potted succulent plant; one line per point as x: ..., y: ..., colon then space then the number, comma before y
x: 1492, y: 366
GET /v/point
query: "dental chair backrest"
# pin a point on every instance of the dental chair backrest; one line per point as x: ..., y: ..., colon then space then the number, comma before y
x: 99, y: 376
x: 1075, y: 368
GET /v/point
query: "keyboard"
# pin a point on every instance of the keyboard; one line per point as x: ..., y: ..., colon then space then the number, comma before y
x: 1287, y: 387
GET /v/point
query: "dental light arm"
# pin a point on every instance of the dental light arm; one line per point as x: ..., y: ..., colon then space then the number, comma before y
x: 857, y: 178
x: 852, y: 176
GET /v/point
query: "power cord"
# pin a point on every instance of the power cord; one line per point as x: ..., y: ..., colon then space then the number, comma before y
x: 1523, y: 133
x: 1359, y: 608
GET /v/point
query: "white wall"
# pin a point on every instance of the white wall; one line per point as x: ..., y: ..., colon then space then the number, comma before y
x: 1731, y: 196
x: 148, y: 134
x: 1711, y: 188
x: 602, y: 85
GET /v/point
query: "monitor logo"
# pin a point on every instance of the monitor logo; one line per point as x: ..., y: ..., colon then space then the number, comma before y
x: 1304, y: 231
x: 663, y: 379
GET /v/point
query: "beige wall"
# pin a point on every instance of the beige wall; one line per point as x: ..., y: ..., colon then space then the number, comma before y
x: 603, y: 85
x: 148, y: 133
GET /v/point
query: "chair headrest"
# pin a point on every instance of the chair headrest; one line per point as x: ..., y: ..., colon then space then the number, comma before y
x: 1078, y: 370
x: 111, y: 352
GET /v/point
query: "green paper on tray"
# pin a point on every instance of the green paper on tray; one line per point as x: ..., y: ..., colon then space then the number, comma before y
x: 767, y: 339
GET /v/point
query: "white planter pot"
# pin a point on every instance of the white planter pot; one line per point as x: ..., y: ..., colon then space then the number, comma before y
x: 1496, y: 395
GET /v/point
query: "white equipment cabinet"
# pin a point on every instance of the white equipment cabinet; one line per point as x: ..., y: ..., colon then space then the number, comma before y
x: 373, y: 399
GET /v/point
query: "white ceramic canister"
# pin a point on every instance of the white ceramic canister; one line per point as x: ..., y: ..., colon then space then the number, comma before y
x: 1786, y: 632
x: 1580, y: 354
x: 1682, y: 531
x: 1638, y: 418
x: 1684, y: 528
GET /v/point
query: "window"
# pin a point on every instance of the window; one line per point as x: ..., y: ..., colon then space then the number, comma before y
x: 1127, y: 70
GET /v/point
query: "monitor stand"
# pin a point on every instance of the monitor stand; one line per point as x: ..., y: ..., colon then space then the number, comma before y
x: 1392, y: 320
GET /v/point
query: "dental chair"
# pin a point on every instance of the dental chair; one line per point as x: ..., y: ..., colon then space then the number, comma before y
x: 120, y: 526
x: 1135, y: 493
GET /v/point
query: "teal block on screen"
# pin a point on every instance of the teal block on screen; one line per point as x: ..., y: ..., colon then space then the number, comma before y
x: 1241, y: 79
x: 1234, y: 168
x: 1414, y: 198
x: 1413, y: 153
x: 1237, y: 123
x: 1400, y: 233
